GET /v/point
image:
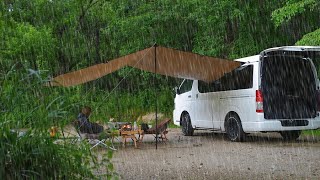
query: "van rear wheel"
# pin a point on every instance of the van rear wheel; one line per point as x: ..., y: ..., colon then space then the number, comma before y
x: 290, y: 135
x: 187, y: 129
x: 234, y: 128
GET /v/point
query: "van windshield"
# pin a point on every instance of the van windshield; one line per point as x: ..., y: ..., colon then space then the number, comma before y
x: 186, y: 86
x: 288, y: 86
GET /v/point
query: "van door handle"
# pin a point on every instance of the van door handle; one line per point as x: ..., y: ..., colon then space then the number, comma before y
x: 189, y: 96
x: 197, y: 95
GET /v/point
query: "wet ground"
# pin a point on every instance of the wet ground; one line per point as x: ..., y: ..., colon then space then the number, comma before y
x: 211, y: 156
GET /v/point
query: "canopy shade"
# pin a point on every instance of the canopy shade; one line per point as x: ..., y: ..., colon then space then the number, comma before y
x: 156, y: 59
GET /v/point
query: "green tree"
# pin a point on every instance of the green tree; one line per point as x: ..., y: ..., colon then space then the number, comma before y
x: 302, y: 17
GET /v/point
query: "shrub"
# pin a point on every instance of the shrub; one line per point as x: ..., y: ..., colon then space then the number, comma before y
x: 27, y: 103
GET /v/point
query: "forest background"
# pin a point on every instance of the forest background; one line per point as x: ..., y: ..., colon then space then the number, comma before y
x: 41, y: 39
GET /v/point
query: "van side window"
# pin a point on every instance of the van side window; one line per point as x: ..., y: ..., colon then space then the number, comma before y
x: 240, y: 78
x: 186, y: 86
x: 204, y: 87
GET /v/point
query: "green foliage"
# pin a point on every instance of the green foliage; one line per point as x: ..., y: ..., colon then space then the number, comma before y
x: 126, y: 106
x: 37, y: 157
x: 62, y: 36
x: 31, y: 46
x: 293, y: 8
x: 310, y: 39
x: 312, y: 132
x: 234, y: 29
x: 302, y: 17
x: 26, y: 103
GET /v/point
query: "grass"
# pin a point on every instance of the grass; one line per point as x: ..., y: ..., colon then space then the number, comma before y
x: 171, y: 125
x: 311, y: 132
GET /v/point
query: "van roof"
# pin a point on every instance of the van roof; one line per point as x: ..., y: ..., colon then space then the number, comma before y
x: 292, y: 48
x: 249, y: 59
x: 255, y: 58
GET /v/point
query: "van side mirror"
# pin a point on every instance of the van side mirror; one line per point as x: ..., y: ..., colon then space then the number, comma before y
x: 177, y: 90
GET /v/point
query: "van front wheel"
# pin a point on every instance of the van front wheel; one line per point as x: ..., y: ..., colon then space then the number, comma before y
x: 234, y: 128
x: 187, y: 129
x: 290, y: 135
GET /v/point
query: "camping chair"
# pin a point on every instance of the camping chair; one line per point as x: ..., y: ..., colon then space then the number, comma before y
x: 95, y: 139
x: 161, y: 129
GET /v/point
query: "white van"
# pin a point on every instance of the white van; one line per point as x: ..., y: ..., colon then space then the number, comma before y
x: 276, y: 91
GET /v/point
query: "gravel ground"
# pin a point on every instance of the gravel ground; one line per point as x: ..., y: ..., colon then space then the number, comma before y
x: 211, y: 156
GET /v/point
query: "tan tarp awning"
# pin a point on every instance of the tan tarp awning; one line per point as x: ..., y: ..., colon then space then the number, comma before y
x: 169, y: 62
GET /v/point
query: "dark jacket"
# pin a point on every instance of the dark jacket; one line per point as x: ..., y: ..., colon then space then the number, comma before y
x: 88, y: 127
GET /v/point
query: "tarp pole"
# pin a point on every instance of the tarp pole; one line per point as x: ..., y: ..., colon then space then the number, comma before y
x: 156, y: 87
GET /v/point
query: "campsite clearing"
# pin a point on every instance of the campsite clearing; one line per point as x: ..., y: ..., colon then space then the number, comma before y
x: 212, y: 156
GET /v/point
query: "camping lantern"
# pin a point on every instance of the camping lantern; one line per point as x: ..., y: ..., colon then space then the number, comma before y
x: 126, y: 127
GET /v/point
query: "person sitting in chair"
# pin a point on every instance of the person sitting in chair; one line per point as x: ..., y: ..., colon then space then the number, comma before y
x: 85, y: 125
